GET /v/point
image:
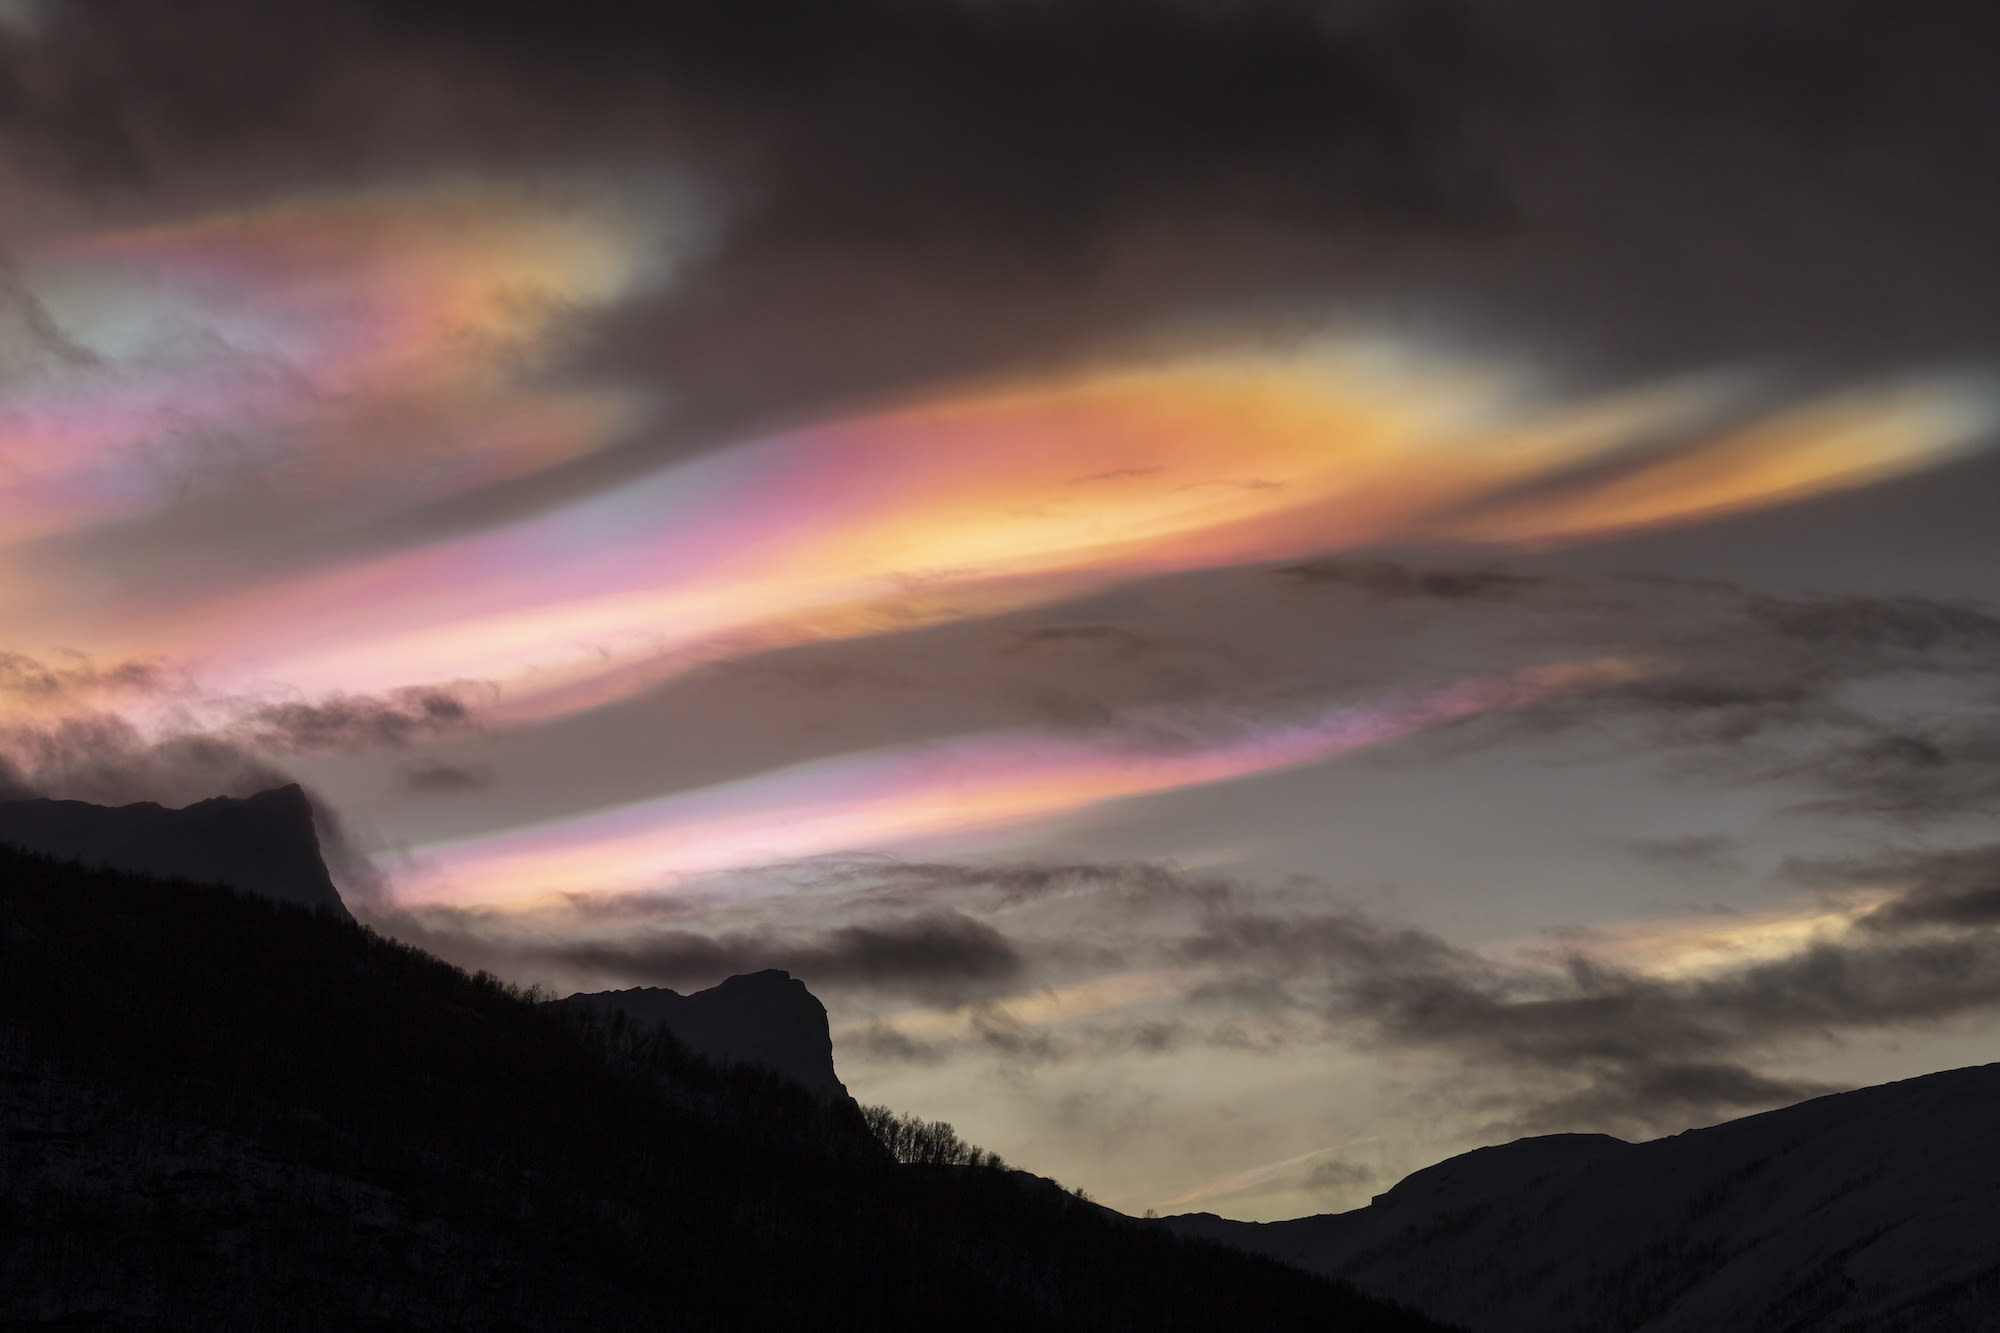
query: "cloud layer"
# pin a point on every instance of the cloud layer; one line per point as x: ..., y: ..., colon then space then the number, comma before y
x: 674, y: 446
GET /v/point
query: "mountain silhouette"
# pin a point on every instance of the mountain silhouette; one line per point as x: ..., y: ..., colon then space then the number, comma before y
x: 223, y: 1112
x: 767, y: 1019
x: 263, y: 844
x: 1870, y: 1210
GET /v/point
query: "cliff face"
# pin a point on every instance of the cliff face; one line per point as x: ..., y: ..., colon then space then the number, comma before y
x: 765, y: 1018
x: 263, y: 844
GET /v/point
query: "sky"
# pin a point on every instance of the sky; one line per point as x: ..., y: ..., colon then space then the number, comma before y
x: 1254, y: 594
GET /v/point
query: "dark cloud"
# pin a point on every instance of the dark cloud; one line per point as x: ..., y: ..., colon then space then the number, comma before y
x: 1008, y: 884
x: 1582, y: 1043
x: 1878, y: 706
x: 1654, y: 1096
x: 1020, y: 1043
x: 912, y: 190
x: 1695, y: 855
x: 1334, y: 1174
x: 878, y: 116
x: 53, y: 682
x: 84, y: 751
x: 104, y: 759
x: 1392, y: 579
x: 1959, y: 887
x: 917, y: 191
x: 357, y: 721
x: 882, y: 1043
x: 1915, y: 632
x: 433, y: 776
x: 938, y: 955
x: 1113, y: 640
x: 1950, y: 768
x: 1598, y: 1046
x: 1549, y: 1043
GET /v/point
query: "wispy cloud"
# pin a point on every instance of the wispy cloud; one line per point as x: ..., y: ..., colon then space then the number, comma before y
x: 966, y: 786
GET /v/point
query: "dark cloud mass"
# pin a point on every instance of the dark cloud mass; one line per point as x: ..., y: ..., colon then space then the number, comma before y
x: 926, y: 190
x: 913, y: 190
x: 433, y: 776
x: 1879, y: 706
x: 1392, y: 579
x: 939, y: 954
x: 1335, y: 1173
x: 103, y: 758
x: 1595, y: 1044
x: 1584, y: 1043
x: 62, y: 680
x: 73, y: 744
x: 356, y: 721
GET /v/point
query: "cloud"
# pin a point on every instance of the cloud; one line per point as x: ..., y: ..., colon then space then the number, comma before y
x: 884, y: 1044
x: 914, y: 190
x: 1912, y: 773
x: 435, y: 776
x: 917, y: 192
x: 1874, y: 706
x: 25, y: 318
x: 355, y: 721
x: 1334, y: 1174
x: 974, y: 194
x: 1391, y: 579
x: 1116, y: 641
x: 1697, y: 1021
x: 936, y: 954
x: 104, y: 759
x: 73, y: 677
x: 1704, y: 856
x: 993, y: 781
x: 1695, y: 1030
x: 1916, y: 632
x: 1959, y: 887
x: 1590, y: 1044
x: 141, y: 730
x: 1013, y: 883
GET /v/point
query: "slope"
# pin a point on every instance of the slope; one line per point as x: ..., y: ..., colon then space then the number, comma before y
x: 226, y: 1113
x: 1873, y: 1210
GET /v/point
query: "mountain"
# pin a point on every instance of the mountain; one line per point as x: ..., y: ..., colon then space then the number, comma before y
x: 1873, y: 1210
x: 263, y: 844
x: 766, y: 1019
x: 227, y: 1113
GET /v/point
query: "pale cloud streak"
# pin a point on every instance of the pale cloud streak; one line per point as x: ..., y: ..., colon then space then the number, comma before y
x: 981, y: 785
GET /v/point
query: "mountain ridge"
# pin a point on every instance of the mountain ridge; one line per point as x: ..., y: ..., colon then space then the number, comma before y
x: 266, y: 843
x: 1871, y: 1209
x: 227, y: 1113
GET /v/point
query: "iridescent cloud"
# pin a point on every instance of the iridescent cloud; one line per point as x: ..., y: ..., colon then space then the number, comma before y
x: 1021, y: 494
x: 1679, y: 948
x: 351, y: 357
x: 376, y: 345
x: 969, y: 785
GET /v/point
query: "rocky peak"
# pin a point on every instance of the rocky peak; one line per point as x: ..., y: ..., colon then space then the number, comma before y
x: 263, y: 844
x: 763, y: 1018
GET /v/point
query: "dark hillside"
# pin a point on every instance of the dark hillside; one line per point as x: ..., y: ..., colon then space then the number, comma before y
x: 228, y: 1113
